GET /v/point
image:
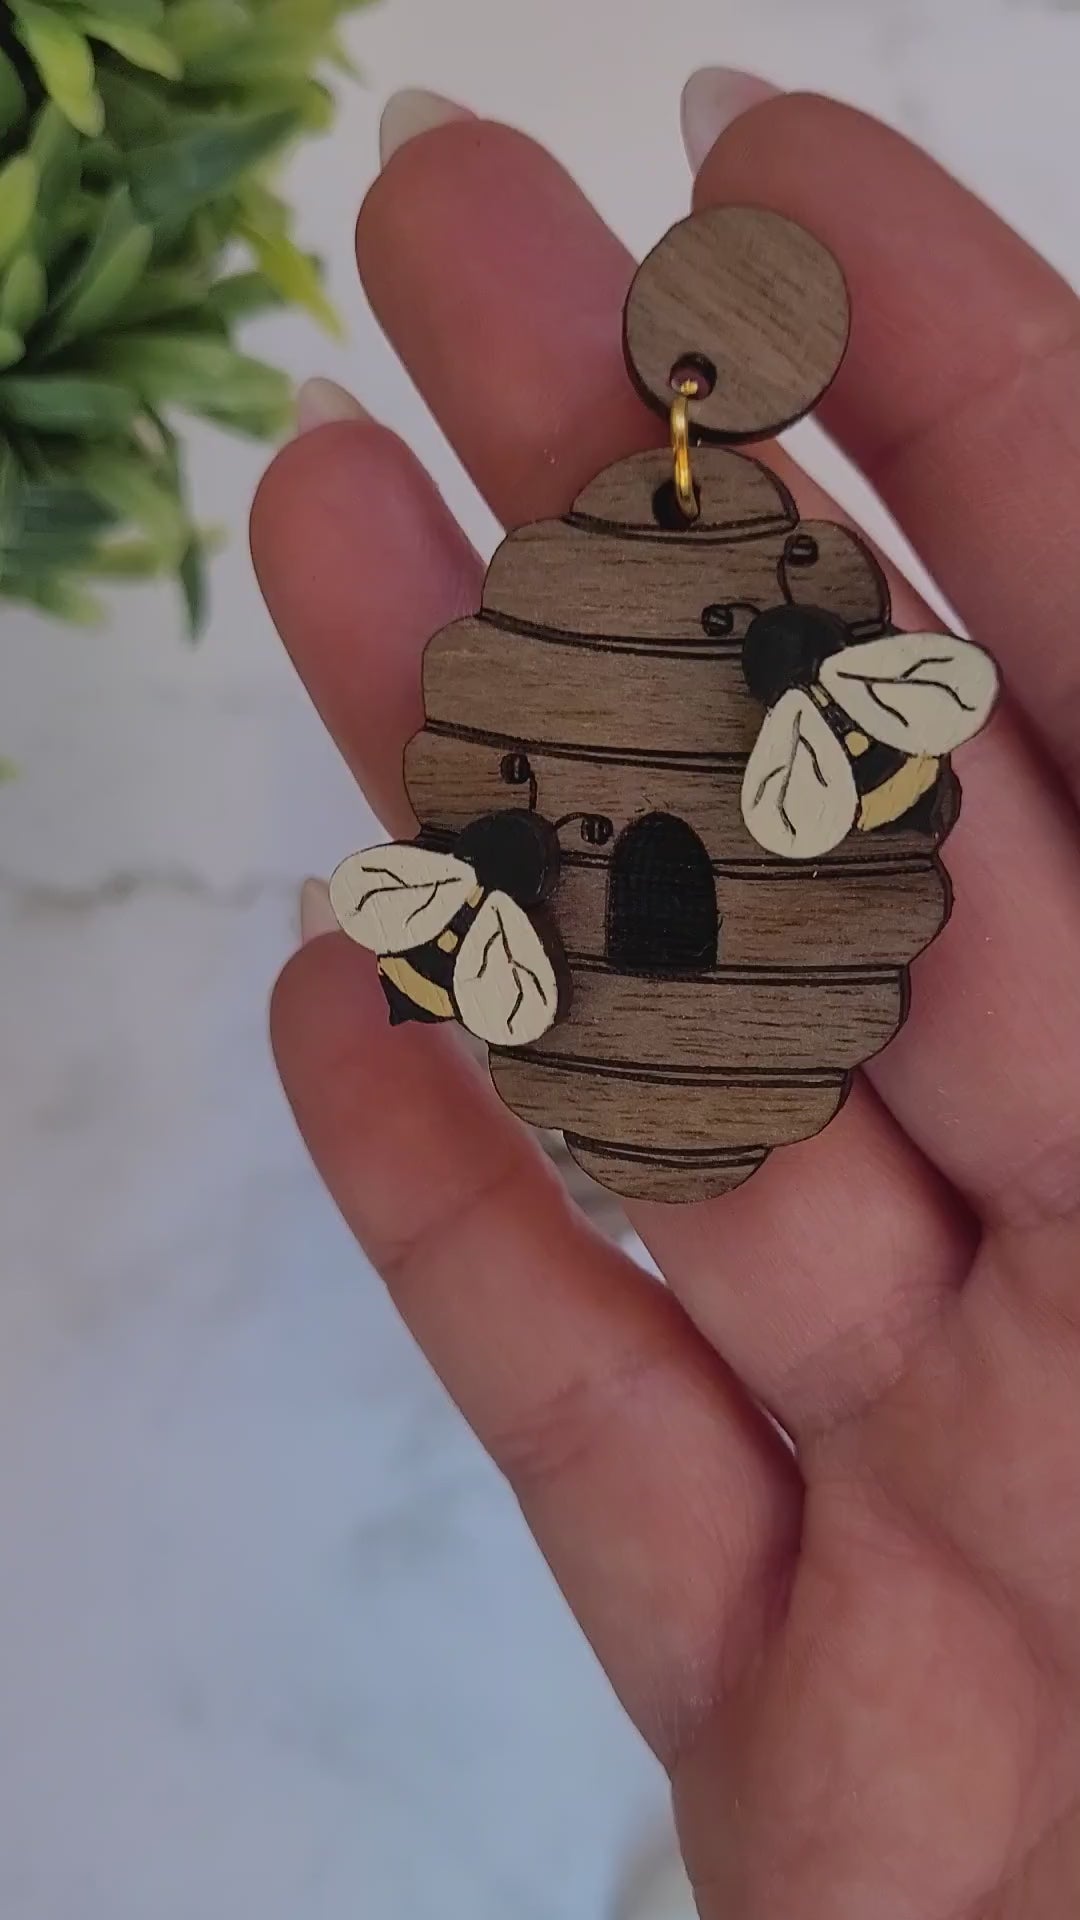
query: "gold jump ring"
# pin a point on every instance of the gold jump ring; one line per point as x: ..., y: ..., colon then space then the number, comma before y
x: 680, y: 447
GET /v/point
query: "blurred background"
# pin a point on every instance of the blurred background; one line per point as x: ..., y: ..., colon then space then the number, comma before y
x: 272, y: 1639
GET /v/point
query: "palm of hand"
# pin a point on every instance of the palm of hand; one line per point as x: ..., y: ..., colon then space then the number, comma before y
x: 904, y: 1742
x: 859, y: 1656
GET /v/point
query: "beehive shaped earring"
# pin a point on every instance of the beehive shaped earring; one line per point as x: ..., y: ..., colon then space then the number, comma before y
x: 681, y: 784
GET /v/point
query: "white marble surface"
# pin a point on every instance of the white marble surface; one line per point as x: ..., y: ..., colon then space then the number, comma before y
x: 272, y: 1642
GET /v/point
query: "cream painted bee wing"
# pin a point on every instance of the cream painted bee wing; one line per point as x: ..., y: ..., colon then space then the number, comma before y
x: 391, y: 899
x: 505, y: 985
x: 920, y: 692
x: 799, y: 797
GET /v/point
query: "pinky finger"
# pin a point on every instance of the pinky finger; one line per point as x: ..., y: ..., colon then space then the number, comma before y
x: 661, y: 1499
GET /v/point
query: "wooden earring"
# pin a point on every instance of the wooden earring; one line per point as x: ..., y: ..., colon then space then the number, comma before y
x: 681, y: 784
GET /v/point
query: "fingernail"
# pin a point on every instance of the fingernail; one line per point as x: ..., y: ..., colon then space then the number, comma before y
x: 714, y: 97
x: 321, y: 401
x: 317, y: 916
x: 414, y: 111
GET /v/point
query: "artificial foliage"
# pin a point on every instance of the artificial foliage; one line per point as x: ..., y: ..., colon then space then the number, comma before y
x: 139, y: 229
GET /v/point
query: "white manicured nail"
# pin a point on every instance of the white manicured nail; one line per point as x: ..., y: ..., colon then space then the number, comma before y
x: 414, y: 111
x: 714, y: 97
x: 317, y: 916
x: 321, y: 401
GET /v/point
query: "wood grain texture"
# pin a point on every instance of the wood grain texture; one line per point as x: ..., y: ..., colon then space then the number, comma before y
x: 669, y: 1178
x: 755, y: 297
x: 844, y: 916
x: 563, y: 579
x: 730, y: 1018
x: 559, y: 577
x: 824, y: 565
x: 738, y: 495
x: 686, y: 701
x: 667, y: 1114
x: 451, y: 780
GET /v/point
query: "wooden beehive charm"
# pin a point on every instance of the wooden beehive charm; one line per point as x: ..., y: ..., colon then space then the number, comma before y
x: 720, y: 996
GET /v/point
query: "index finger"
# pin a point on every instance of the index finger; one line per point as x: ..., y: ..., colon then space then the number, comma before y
x: 664, y: 1502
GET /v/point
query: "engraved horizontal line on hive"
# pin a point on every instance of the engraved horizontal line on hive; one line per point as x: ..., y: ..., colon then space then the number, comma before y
x: 714, y: 1078
x: 765, y: 866
x: 744, y: 976
x: 599, y: 756
x: 755, y: 866
x: 737, y: 533
x: 723, y: 1023
x: 668, y: 1157
x: 705, y: 648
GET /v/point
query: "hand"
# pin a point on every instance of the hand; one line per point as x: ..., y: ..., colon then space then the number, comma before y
x: 860, y: 1660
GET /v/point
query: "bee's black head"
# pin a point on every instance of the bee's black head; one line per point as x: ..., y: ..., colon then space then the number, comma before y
x: 785, y: 646
x: 513, y: 852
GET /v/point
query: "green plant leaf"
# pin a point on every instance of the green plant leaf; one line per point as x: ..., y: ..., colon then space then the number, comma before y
x: 339, y: 57
x: 302, y: 15
x: 65, y: 232
x: 54, y: 149
x: 119, y: 281
x: 243, y: 296
x: 192, y: 575
x: 12, y: 95
x: 19, y: 185
x: 55, y: 594
x: 125, y: 560
x: 295, y: 275
x: 264, y: 208
x: 103, y: 279
x: 82, y: 404
x: 11, y: 482
x: 200, y: 374
x: 310, y: 104
x: 55, y: 510
x: 134, y: 42
x: 23, y: 293
x: 170, y: 179
x: 52, y: 526
x: 65, y: 62
x: 199, y: 27
x: 257, y: 423
x: 314, y: 19
x: 124, y: 482
x: 141, y: 13
x: 165, y: 291
x: 138, y: 109
x: 274, y: 52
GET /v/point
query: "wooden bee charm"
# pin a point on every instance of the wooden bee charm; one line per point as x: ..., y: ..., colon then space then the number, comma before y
x: 452, y: 932
x: 919, y: 695
x: 681, y: 784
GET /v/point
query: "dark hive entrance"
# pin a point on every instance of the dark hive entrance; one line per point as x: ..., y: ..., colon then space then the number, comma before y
x: 662, y: 914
